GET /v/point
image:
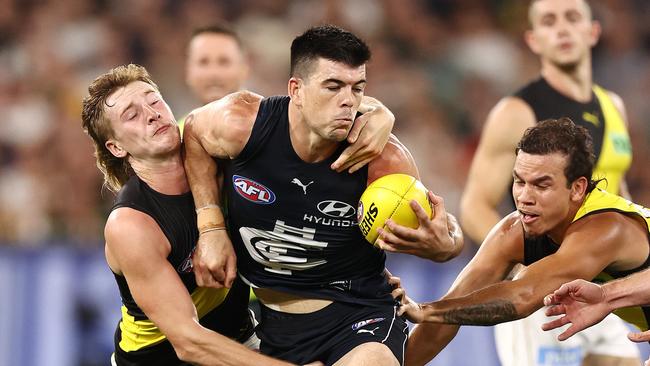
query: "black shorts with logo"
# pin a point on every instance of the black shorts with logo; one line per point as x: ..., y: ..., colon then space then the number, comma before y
x: 328, y: 334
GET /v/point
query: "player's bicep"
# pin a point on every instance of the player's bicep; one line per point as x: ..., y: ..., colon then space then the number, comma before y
x: 395, y: 158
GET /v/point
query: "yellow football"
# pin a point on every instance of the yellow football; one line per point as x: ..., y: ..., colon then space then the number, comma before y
x: 388, y: 198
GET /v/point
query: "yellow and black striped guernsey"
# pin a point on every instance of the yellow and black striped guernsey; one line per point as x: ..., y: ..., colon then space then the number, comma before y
x: 599, y: 116
x: 601, y: 201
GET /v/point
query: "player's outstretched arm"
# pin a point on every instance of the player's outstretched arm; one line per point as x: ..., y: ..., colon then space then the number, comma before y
x: 490, y: 265
x: 368, y: 136
x: 137, y: 249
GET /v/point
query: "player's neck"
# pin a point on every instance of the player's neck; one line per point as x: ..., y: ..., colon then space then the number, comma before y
x: 307, y: 144
x: 164, y: 176
x: 575, y: 84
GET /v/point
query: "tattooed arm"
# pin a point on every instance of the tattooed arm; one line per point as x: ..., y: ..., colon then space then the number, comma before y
x: 590, y: 245
x: 491, y: 264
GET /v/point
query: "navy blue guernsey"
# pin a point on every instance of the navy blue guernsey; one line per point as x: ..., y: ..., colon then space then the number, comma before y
x: 293, y: 223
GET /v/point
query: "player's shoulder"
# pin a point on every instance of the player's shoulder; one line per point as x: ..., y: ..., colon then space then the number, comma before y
x: 511, y: 109
x: 507, y: 121
x: 232, y: 106
x: 129, y: 232
x: 127, y: 222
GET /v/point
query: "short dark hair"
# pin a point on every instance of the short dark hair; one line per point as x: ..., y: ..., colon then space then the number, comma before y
x: 329, y: 42
x: 562, y: 136
x: 217, y: 28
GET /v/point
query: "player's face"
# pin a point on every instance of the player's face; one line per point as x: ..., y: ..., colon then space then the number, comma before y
x: 215, y: 66
x: 330, y: 98
x: 143, y: 124
x: 563, y: 32
x: 541, y: 193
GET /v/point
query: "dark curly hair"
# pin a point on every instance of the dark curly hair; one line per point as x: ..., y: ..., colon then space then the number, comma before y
x: 563, y: 136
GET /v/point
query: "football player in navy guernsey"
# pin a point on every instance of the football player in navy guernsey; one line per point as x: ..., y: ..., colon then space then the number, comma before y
x: 291, y: 218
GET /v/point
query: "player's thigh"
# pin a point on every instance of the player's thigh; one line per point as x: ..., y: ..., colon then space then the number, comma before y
x: 369, y: 354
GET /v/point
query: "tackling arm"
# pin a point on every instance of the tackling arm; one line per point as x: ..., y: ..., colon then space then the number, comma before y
x: 137, y: 249
x: 217, y: 130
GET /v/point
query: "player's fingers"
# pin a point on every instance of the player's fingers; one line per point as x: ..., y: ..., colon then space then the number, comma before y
x: 639, y: 336
x: 564, y: 290
x: 555, y: 323
x: 399, y: 234
x: 365, y: 161
x: 395, y: 281
x: 342, y: 162
x: 358, y: 125
x: 204, y: 278
x: 568, y: 333
x: 438, y: 206
x: 555, y: 310
x: 422, y: 215
x: 393, y: 248
x: 398, y: 294
x: 231, y: 271
x: 549, y: 300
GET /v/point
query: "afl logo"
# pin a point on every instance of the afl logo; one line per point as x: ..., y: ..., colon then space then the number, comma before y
x: 336, y: 209
x: 252, y: 191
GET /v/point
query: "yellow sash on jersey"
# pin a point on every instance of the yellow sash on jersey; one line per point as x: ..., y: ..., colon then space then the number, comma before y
x: 616, y: 153
x: 137, y: 334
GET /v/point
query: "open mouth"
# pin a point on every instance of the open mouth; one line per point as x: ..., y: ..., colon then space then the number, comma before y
x: 527, y: 217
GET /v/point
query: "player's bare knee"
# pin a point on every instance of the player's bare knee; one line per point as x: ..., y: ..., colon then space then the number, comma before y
x: 369, y: 354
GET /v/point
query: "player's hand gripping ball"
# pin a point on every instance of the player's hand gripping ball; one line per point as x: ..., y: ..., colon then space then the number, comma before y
x: 388, y: 198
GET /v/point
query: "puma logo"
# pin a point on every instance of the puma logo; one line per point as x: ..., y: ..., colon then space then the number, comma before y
x: 303, y: 186
x: 367, y: 331
x: 591, y: 118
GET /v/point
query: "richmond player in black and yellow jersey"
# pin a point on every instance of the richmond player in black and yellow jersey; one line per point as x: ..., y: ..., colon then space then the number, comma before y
x: 151, y: 234
x: 564, y: 228
x: 561, y: 33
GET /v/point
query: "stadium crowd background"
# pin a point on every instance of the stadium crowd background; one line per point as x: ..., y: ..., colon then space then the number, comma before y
x: 439, y: 65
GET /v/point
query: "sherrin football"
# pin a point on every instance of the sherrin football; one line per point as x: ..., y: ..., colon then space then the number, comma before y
x: 388, y: 198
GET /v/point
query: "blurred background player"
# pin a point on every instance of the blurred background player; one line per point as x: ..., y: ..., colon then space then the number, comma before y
x: 562, y: 33
x: 215, y: 64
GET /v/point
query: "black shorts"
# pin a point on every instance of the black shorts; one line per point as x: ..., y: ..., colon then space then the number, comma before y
x: 328, y: 334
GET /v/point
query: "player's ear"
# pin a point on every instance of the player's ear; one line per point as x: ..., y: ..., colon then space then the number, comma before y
x: 115, y: 149
x: 531, y: 41
x: 579, y: 189
x: 596, y: 30
x: 295, y: 87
